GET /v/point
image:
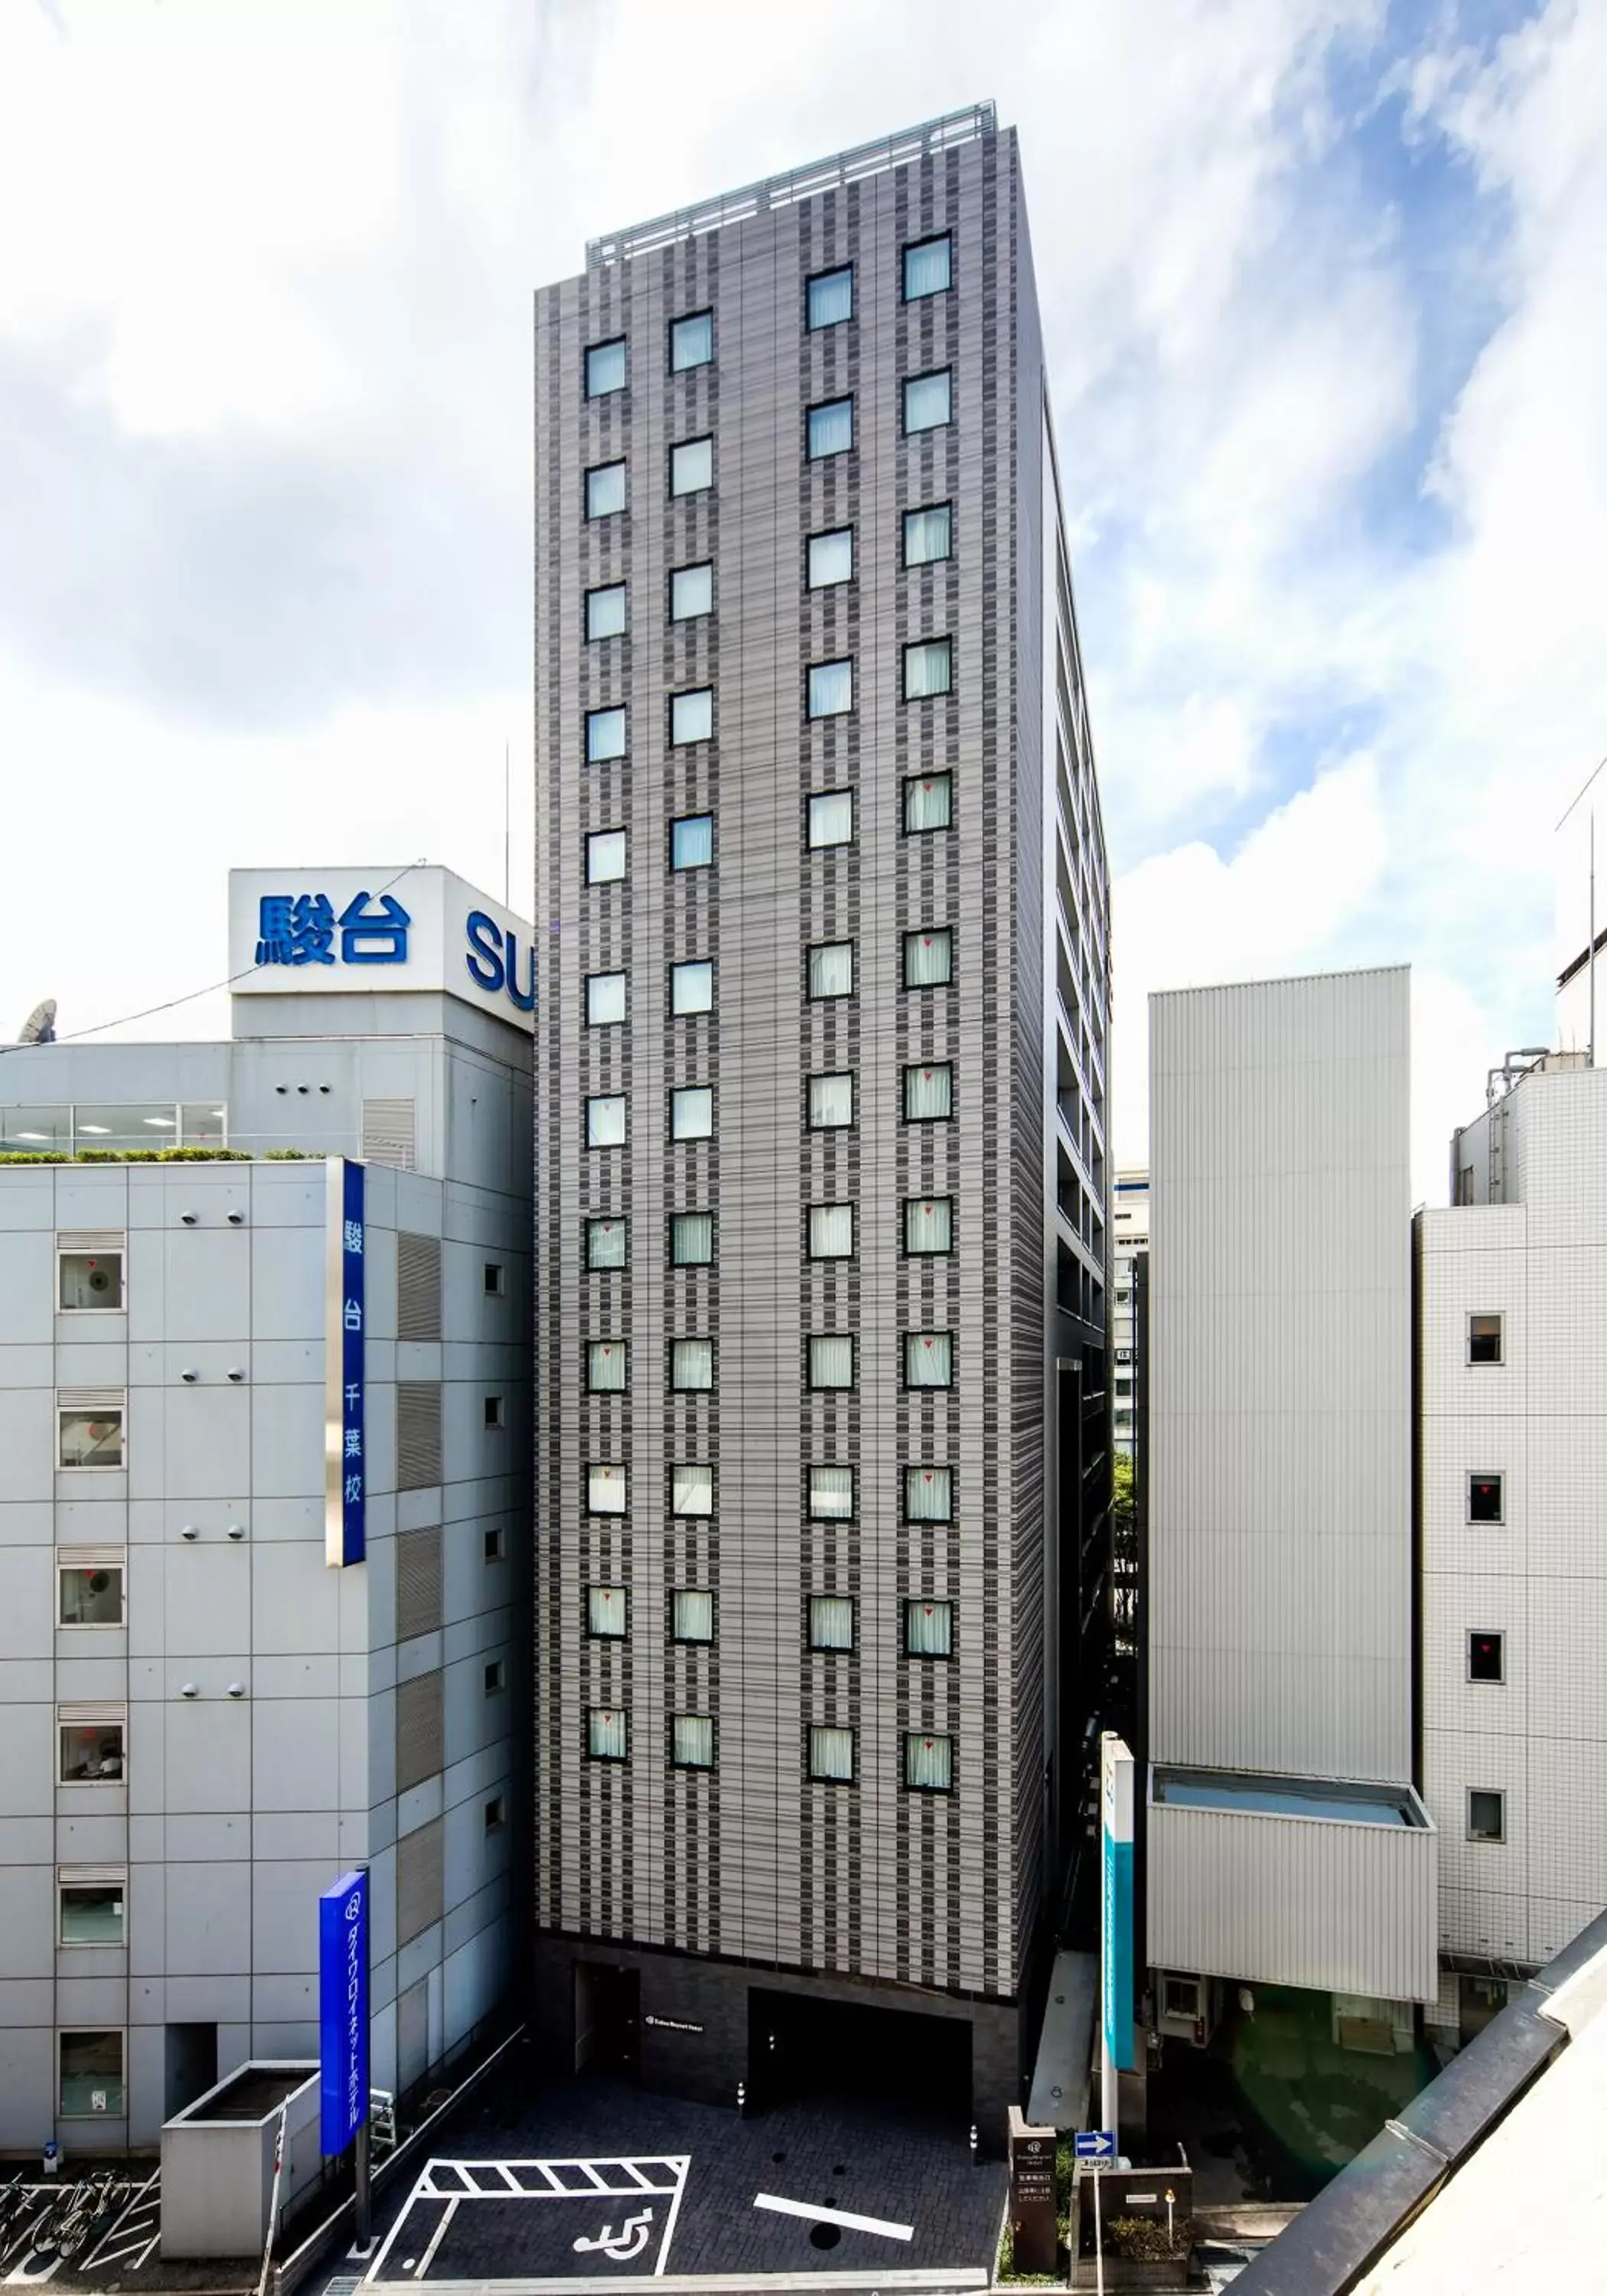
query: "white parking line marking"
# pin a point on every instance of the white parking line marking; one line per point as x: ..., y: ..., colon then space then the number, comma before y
x: 436, y: 2237
x: 843, y: 2217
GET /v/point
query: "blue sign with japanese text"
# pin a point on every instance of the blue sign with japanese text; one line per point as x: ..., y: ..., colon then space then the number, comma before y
x: 301, y: 929
x: 354, y: 1314
x: 343, y: 2011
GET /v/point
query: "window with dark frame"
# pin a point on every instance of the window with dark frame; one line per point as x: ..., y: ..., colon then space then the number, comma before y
x: 829, y: 1361
x: 605, y: 1000
x: 831, y: 1755
x: 830, y: 1494
x: 928, y: 1227
x: 928, y: 267
x: 607, y: 1366
x: 927, y: 402
x: 493, y: 1545
x: 691, y: 1742
x: 605, y: 1120
x: 829, y: 430
x: 928, y: 1762
x: 831, y: 690
x: 929, y: 1090
x: 928, y: 534
x: 605, y: 370
x: 928, y: 957
x: 605, y: 612
x: 928, y: 803
x: 927, y: 670
x: 829, y: 298
x: 692, y: 1615
x: 691, y: 591
x: 830, y: 971
x: 607, y: 1735
x: 605, y: 734
x: 691, y: 1366
x: 692, y: 1239
x: 1486, y: 1656
x: 928, y: 1627
x: 605, y: 857
x: 1484, y: 1336
x: 1486, y: 1498
x: 692, y: 842
x: 496, y: 1411
x: 829, y: 820
x: 1486, y: 1814
x: 831, y: 1622
x: 830, y: 1102
x: 692, y: 466
x: 929, y: 1359
x: 829, y: 559
x: 692, y: 716
x: 607, y: 1244
x: 608, y: 1614
x: 690, y: 342
x: 494, y: 1280
x: 830, y: 1232
x: 691, y: 987
x: 604, y: 490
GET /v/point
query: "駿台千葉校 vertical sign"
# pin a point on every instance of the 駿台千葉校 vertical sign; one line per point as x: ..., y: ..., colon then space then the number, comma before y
x: 345, y: 1431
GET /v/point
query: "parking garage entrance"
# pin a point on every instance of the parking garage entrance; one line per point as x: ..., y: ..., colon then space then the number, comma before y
x: 801, y: 2046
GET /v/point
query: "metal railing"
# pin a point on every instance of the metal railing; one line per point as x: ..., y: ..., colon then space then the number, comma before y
x: 831, y: 175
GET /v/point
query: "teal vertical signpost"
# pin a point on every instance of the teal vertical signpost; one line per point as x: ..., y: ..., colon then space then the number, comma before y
x: 1116, y: 1919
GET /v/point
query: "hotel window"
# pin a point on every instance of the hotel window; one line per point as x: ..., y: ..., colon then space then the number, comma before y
x: 1484, y: 1337
x: 607, y: 1366
x: 692, y: 716
x: 89, y: 1594
x: 691, y: 1112
x: 830, y: 970
x: 605, y: 490
x: 831, y: 1360
x: 928, y: 401
x: 691, y: 1742
x: 831, y: 819
x: 691, y: 987
x: 928, y: 1495
x: 831, y: 558
x: 91, y: 1437
x: 604, y: 735
x: 604, y: 999
x: 1486, y: 1657
x: 929, y: 1629
x: 929, y: 1359
x: 605, y: 612
x: 89, y: 1282
x: 928, y: 1226
x: 692, y: 1239
x: 691, y: 1488
x: 607, y: 1244
x: 928, y: 1762
x: 605, y: 368
x: 690, y: 342
x: 929, y: 801
x: 607, y: 1735
x: 928, y: 535
x: 831, y: 1622
x: 1485, y: 1815
x: 92, y: 1750
x: 928, y: 669
x: 929, y: 1093
x: 691, y: 1614
x: 1485, y: 1498
x: 831, y: 429
x: 92, y: 1913
x: 606, y: 1489
x: 927, y: 267
x: 605, y: 1120
x: 691, y: 1366
x: 692, y: 466
x: 929, y: 958
x: 831, y: 689
x: 831, y: 1235
x: 692, y: 842
x: 608, y: 1613
x: 830, y: 1494
x: 605, y: 857
x: 829, y: 298
x: 830, y: 1755
x: 830, y: 1103
x: 691, y: 591
x: 91, y: 2077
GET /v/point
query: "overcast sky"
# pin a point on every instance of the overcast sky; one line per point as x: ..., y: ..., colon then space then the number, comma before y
x: 1324, y: 287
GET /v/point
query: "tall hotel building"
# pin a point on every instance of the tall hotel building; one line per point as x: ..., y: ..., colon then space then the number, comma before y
x: 821, y: 1457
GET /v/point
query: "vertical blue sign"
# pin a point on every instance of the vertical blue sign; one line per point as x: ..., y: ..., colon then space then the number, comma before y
x: 343, y: 2011
x: 344, y: 1428
x: 1116, y: 1922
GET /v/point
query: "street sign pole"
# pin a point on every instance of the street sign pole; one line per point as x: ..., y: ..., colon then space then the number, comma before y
x: 1099, y: 2248
x: 364, y: 2215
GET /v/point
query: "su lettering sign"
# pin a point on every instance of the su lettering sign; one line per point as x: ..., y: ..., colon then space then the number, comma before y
x: 493, y: 960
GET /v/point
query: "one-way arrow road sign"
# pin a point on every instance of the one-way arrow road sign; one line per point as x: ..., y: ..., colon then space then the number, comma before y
x: 1095, y: 2147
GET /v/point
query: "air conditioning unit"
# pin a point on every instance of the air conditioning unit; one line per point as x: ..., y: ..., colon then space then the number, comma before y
x: 1187, y: 2007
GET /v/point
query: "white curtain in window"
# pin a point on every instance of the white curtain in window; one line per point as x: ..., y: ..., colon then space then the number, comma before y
x: 691, y: 1363
x: 926, y: 269
x: 831, y: 688
x: 606, y: 1611
x: 831, y: 1361
x: 604, y: 999
x: 605, y: 490
x: 691, y: 714
x: 831, y: 1231
x: 927, y: 670
x: 928, y: 1093
x: 928, y: 1359
x: 831, y: 1102
x: 831, y: 428
x: 926, y: 401
x: 606, y: 1365
x: 929, y: 1224
x: 691, y: 1614
x: 926, y: 1495
x: 928, y: 1762
x: 692, y: 1239
x: 832, y: 1493
x: 832, y: 298
x: 691, y: 1112
x: 832, y: 969
x: 691, y: 1489
x: 831, y: 558
x: 605, y: 1121
x: 692, y: 988
x: 928, y: 958
x: 605, y: 857
x: 608, y: 1734
x: 605, y: 369
x: 928, y: 804
x: 606, y: 1243
x: 691, y: 592
x: 691, y: 342
x: 926, y: 535
x: 830, y: 1753
x: 927, y: 1629
x: 605, y: 611
x: 693, y: 1740
x: 692, y: 842
x: 831, y: 819
x: 692, y: 466
x: 605, y: 734
x: 605, y: 1490
x: 831, y: 1622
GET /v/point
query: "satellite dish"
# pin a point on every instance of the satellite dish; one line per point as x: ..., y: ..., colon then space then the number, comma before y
x: 40, y: 1026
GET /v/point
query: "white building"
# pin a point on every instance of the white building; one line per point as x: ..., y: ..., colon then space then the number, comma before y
x: 1131, y: 1236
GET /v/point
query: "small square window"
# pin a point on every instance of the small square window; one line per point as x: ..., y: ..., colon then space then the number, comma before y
x: 692, y: 466
x: 607, y: 1366
x: 496, y: 1411
x: 927, y: 670
x: 692, y: 1239
x: 929, y: 1359
x: 691, y: 1615
x: 92, y: 2085
x: 831, y: 689
x: 606, y: 1489
x: 691, y: 987
x: 692, y: 716
x: 605, y: 368
x: 829, y: 298
x: 495, y: 1677
x: 928, y: 1495
x: 831, y: 819
x: 927, y: 402
x: 928, y: 1226
x: 691, y: 1742
x: 605, y: 1120
x: 496, y: 1815
x: 831, y: 558
x: 605, y: 857
x: 929, y: 801
x: 1484, y: 1337
x: 93, y: 1913
x: 830, y: 1494
x: 604, y: 735
x: 1486, y: 1657
x: 607, y: 1735
x: 605, y: 490
x: 928, y: 1627
x: 830, y: 970
x: 831, y: 1360
x: 607, y: 1244
x: 927, y: 267
x: 604, y: 999
x: 92, y: 1753
x: 928, y: 535
x: 91, y: 1439
x: 692, y: 842
x: 929, y: 1093
x: 692, y: 341
x: 830, y: 1103
x: 830, y: 1755
x: 830, y: 1233
x: 605, y: 612
x: 928, y: 1762
x: 831, y: 1622
x: 89, y: 1594
x: 691, y: 1488
x: 494, y: 1280
x: 1485, y: 1498
x: 691, y: 1366
x: 493, y: 1545
x: 691, y: 591
x: 929, y: 958
x: 608, y: 1613
x: 691, y: 1112
x: 831, y: 429
x: 89, y: 1282
x: 1485, y: 1815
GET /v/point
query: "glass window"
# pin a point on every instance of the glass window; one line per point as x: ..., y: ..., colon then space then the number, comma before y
x: 831, y: 1231
x: 928, y: 535
x: 831, y: 1360
x: 928, y: 802
x: 929, y: 1093
x: 604, y: 735
x: 1486, y: 1657
x: 607, y: 1244
x: 691, y: 1742
x: 494, y: 1547
x: 691, y: 1112
x: 830, y: 1494
x: 692, y: 466
x: 494, y: 1677
x: 927, y: 1629
x: 691, y: 987
x: 831, y: 1102
x: 691, y: 1366
x: 152, y: 1126
x: 22, y: 1128
x: 831, y: 558
x: 606, y: 490
x: 929, y: 1359
x: 92, y: 1913
x: 605, y: 368
x: 928, y: 1495
x: 203, y: 1127
x: 928, y: 669
x: 928, y: 1225
x: 831, y: 689
x: 830, y: 1755
x: 692, y: 1615
x: 831, y: 298
x: 691, y: 1488
x: 605, y: 857
x: 89, y: 1282
x: 90, y: 1594
x: 831, y: 819
x: 492, y: 1279
x: 1485, y: 1498
x: 831, y: 429
x: 1484, y: 1338
x: 831, y: 1622
x: 92, y: 2076
x: 690, y: 342
x: 607, y: 1366
x: 692, y: 1239
x: 691, y: 591
x: 927, y: 401
x: 92, y: 1753
x: 929, y: 958
x: 496, y: 1814
x: 604, y: 999
x: 605, y: 1120
x: 606, y: 1489
x: 605, y: 611
x: 608, y: 1613
x: 692, y: 842
x: 607, y: 1733
x: 927, y: 267
x: 830, y: 970
x: 1485, y: 1815
x: 91, y: 1438
x: 929, y: 1763
x: 691, y: 716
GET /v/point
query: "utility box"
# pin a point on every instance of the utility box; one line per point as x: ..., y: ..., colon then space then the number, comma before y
x: 217, y: 2160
